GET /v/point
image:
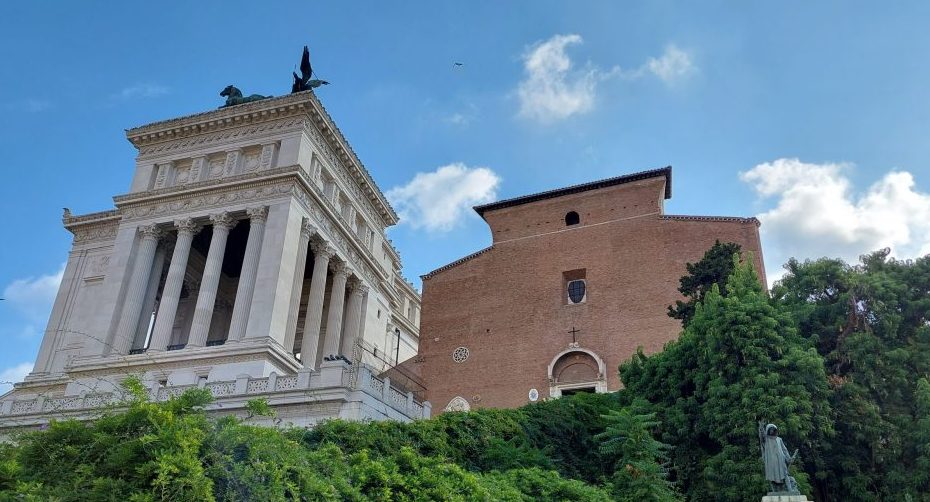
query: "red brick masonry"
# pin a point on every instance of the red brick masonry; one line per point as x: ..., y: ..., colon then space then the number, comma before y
x: 507, y: 304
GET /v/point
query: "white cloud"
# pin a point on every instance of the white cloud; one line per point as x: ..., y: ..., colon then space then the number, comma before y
x: 9, y: 376
x: 142, y: 90
x: 551, y: 91
x: 32, y: 297
x: 673, y: 65
x: 437, y: 200
x: 818, y: 213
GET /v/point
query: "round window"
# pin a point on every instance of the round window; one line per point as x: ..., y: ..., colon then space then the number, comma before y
x: 534, y: 395
x: 576, y: 291
x: 460, y: 354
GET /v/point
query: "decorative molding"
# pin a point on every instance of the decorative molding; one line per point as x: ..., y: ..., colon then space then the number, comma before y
x: 223, y: 220
x: 322, y: 248
x: 184, y: 205
x: 105, y: 232
x: 150, y: 232
x: 720, y: 219
x: 307, y: 229
x: 187, y: 226
x: 69, y: 220
x: 458, y: 403
x: 204, y: 140
x: 257, y: 214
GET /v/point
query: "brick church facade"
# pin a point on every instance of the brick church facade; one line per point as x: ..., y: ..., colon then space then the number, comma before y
x: 575, y: 280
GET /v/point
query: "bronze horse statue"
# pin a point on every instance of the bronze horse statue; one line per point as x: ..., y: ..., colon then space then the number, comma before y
x: 234, y: 96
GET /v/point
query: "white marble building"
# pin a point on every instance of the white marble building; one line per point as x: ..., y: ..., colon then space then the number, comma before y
x: 248, y: 257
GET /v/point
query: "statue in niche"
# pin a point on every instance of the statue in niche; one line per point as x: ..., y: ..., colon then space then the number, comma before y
x: 234, y: 96
x: 776, y: 459
x: 305, y: 80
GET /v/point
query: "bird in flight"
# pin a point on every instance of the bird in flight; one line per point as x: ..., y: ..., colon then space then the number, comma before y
x: 455, y: 64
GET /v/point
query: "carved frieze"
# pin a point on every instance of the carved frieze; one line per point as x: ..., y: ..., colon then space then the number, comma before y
x: 197, y: 164
x: 200, y: 141
x: 208, y: 201
x: 266, y: 158
x: 250, y: 162
x: 95, y: 233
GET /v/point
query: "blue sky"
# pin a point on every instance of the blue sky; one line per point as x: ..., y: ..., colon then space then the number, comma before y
x: 811, y: 115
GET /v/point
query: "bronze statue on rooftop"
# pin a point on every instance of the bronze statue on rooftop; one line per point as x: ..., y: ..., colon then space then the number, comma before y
x: 234, y: 96
x: 305, y: 80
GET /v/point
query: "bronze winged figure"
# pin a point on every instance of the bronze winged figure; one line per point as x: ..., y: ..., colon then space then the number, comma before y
x: 305, y: 80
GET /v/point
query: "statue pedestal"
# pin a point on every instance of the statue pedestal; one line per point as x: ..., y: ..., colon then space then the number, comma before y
x: 785, y: 498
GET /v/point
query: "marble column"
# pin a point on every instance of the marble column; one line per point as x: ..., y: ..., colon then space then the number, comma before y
x: 135, y: 293
x: 312, y: 321
x: 353, y: 319
x: 306, y: 230
x: 240, y: 314
x: 171, y: 294
x: 337, y: 298
x: 206, y: 298
x: 151, y: 294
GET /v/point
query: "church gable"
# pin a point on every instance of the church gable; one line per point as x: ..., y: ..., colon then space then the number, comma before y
x: 573, y: 208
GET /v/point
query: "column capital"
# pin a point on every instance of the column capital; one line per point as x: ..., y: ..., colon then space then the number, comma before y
x: 186, y: 226
x: 222, y: 220
x: 257, y: 214
x: 307, y: 228
x: 340, y: 269
x: 151, y: 232
x: 359, y: 288
x: 322, y: 249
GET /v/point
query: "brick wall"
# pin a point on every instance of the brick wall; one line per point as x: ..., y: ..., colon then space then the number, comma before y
x: 508, y: 308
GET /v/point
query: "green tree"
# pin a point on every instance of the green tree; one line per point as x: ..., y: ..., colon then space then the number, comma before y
x: 871, y: 325
x: 739, y: 360
x: 712, y: 269
x: 638, y: 459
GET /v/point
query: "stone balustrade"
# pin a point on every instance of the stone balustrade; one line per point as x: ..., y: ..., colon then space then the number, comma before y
x: 244, y: 387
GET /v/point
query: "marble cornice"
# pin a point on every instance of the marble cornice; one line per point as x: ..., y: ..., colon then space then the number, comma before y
x: 108, y: 216
x: 259, y: 178
x: 93, y: 227
x: 219, y: 119
x: 258, y: 112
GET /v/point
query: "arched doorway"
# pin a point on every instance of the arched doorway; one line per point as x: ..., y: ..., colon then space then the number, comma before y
x: 576, y: 370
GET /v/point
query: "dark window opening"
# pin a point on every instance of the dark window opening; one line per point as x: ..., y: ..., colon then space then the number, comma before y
x: 576, y: 291
x: 583, y: 390
x: 572, y: 218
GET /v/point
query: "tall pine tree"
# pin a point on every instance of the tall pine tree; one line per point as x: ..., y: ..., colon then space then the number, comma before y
x: 738, y: 361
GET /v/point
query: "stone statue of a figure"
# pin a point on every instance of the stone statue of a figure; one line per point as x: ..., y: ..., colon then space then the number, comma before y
x: 776, y: 460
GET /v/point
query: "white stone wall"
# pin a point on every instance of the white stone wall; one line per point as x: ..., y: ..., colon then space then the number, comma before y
x: 284, y: 155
